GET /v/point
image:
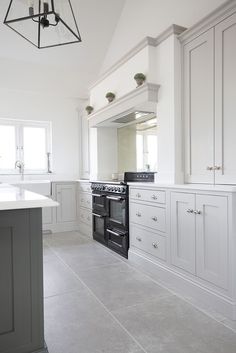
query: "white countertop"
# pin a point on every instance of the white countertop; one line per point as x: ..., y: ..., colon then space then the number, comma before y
x: 12, y: 198
x: 200, y: 187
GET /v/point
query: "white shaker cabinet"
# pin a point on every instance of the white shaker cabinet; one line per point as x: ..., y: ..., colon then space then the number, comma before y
x: 66, y: 196
x: 198, y: 56
x: 212, y: 239
x: 225, y: 109
x: 199, y: 236
x: 209, y: 104
x: 183, y: 241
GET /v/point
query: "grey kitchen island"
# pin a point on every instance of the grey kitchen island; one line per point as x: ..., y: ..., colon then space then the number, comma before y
x: 21, y: 270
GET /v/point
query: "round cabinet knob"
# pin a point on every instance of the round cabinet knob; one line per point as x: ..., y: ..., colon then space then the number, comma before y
x: 154, y: 219
x: 190, y: 210
x: 138, y: 195
x: 138, y: 238
x: 154, y: 197
x: 197, y: 212
x: 209, y: 168
x: 155, y: 245
x: 138, y: 214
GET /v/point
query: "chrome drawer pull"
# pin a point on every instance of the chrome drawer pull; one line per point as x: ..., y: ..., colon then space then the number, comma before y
x: 197, y: 212
x: 115, y: 233
x: 154, y: 197
x: 155, y: 245
x: 138, y: 238
x: 138, y: 195
x: 97, y: 215
x: 138, y: 214
x: 190, y: 210
x: 154, y: 219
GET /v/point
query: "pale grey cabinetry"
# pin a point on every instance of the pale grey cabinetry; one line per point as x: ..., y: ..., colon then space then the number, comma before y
x: 21, y: 279
x: 199, y: 236
x: 225, y: 90
x: 66, y: 196
x: 209, y: 104
x: 85, y: 208
x: 198, y: 56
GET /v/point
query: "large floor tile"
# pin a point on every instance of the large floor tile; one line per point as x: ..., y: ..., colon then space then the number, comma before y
x: 119, y: 286
x: 59, y: 279
x: 171, y: 325
x: 77, y: 323
x: 66, y: 239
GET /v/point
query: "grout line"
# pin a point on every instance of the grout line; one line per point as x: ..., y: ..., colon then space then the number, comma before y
x: 204, y: 311
x: 99, y: 301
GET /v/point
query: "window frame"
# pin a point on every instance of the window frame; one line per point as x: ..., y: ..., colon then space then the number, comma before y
x: 19, y: 126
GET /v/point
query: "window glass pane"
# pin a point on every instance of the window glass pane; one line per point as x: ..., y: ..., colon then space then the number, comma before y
x: 152, y: 152
x: 7, y: 147
x: 34, y: 141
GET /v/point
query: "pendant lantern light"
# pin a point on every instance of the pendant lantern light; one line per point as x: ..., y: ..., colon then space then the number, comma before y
x: 43, y: 23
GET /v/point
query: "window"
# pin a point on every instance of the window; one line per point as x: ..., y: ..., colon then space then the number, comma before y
x: 146, y: 145
x: 25, y: 141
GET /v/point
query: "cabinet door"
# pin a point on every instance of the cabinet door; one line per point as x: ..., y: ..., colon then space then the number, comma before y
x: 183, y: 231
x: 85, y: 150
x: 212, y: 239
x: 47, y: 215
x: 66, y: 196
x: 198, y: 56
x: 225, y: 71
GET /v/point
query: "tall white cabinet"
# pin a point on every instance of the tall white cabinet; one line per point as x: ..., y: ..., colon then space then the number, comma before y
x: 209, y: 96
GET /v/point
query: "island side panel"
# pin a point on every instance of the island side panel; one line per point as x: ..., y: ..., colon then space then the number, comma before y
x: 21, y: 281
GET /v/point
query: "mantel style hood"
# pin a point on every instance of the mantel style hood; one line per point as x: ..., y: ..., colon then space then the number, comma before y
x: 140, y: 104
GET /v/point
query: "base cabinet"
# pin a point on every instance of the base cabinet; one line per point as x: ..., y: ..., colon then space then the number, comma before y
x: 196, y: 255
x: 199, y: 236
x: 85, y: 208
x: 21, y: 278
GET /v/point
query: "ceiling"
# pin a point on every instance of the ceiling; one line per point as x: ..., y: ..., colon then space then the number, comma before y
x: 67, y: 69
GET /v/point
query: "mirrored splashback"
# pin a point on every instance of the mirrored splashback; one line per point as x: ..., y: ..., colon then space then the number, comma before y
x: 137, y: 147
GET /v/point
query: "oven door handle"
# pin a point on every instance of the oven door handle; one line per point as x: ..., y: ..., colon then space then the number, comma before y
x: 114, y: 233
x: 115, y: 198
x: 97, y: 215
x: 98, y: 195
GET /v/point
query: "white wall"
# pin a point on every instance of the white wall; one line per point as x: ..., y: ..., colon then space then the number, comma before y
x: 63, y: 114
x: 141, y: 18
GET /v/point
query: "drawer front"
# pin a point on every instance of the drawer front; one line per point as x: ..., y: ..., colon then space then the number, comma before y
x: 85, y: 187
x: 149, y: 242
x: 156, y: 196
x: 85, y: 216
x: 148, y: 216
x: 85, y: 200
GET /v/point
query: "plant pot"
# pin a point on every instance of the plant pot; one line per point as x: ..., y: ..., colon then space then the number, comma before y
x: 139, y: 81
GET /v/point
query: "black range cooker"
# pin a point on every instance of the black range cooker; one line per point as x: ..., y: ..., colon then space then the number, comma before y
x: 111, y: 216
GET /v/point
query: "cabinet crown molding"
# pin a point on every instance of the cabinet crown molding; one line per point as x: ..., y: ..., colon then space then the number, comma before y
x: 209, y: 21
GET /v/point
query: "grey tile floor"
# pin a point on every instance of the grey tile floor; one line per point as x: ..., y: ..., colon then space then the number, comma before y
x: 97, y: 303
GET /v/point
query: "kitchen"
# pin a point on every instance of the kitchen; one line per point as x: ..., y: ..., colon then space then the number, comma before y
x: 165, y: 279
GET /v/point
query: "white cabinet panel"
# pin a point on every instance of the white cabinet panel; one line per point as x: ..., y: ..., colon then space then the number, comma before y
x: 66, y: 196
x: 84, y: 147
x: 47, y: 214
x: 198, y: 58
x: 212, y: 239
x: 85, y: 200
x: 225, y: 79
x: 150, y: 216
x: 148, y: 242
x: 183, y: 231
x: 155, y: 196
x: 86, y: 216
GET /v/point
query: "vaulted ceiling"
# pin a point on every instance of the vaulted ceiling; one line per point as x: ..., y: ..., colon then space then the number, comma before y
x: 67, y: 70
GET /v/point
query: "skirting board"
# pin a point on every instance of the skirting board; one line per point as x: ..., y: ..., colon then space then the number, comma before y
x: 43, y: 350
x: 189, y: 290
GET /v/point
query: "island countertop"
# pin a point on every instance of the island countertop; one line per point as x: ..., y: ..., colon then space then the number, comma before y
x: 12, y: 198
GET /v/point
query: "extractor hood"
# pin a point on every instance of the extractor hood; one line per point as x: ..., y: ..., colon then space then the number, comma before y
x: 138, y: 105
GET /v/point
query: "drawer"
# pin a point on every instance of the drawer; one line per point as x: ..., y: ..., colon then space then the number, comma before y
x: 156, y: 196
x: 149, y: 242
x: 85, y: 216
x: 148, y: 216
x: 85, y: 200
x: 85, y: 187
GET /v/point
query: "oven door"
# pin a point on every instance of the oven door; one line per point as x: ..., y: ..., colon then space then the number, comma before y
x: 99, y: 228
x: 118, y: 241
x: 99, y: 203
x: 117, y: 208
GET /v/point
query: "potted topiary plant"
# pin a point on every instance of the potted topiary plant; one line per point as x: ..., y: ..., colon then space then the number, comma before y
x: 110, y: 96
x: 89, y: 109
x: 139, y: 78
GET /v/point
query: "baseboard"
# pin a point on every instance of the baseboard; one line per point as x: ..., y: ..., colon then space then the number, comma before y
x: 193, y: 292
x: 42, y: 350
